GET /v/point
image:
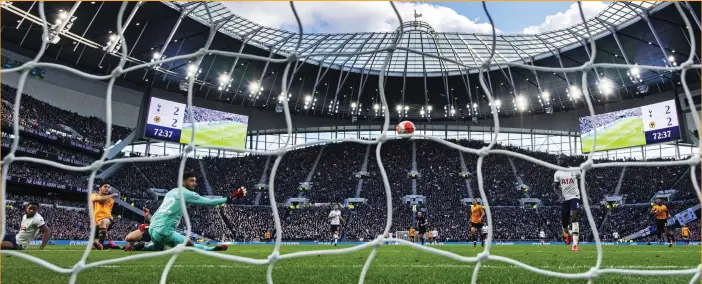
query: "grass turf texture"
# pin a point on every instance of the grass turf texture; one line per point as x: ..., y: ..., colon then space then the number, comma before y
x: 229, y: 134
x: 624, y: 133
x: 392, y: 264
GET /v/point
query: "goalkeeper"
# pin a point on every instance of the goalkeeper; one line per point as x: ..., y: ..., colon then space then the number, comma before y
x: 163, y: 223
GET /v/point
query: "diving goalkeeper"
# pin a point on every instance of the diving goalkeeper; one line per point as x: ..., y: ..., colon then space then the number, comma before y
x: 164, y: 222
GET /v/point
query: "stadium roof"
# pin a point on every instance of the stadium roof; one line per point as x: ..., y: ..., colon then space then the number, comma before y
x: 157, y: 28
x: 469, y: 48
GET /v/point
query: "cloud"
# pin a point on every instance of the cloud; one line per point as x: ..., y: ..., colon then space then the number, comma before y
x: 347, y: 17
x: 568, y: 18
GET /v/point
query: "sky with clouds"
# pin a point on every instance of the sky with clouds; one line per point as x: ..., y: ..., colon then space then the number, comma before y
x: 369, y: 16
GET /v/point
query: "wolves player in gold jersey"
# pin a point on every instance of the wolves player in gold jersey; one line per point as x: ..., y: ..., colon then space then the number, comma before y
x: 685, y: 232
x: 661, y: 213
x: 102, y: 204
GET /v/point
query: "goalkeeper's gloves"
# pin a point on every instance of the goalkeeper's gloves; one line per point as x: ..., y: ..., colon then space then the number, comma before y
x: 237, y: 194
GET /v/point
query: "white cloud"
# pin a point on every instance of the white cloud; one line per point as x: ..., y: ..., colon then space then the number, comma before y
x: 361, y: 16
x: 568, y: 18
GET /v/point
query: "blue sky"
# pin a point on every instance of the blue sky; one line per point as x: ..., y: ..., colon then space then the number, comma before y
x: 511, y: 17
x: 367, y: 16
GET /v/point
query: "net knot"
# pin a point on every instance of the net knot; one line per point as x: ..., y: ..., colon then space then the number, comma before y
x: 117, y: 72
x: 587, y: 165
x: 694, y: 160
x: 8, y: 159
x: 483, y: 151
x: 482, y: 256
x: 686, y: 64
x: 292, y: 57
x: 273, y: 257
x: 79, y: 267
x: 97, y: 165
x: 189, y: 148
x: 593, y: 273
x: 379, y: 241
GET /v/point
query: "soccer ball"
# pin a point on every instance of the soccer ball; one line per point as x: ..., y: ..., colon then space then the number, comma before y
x: 405, y: 127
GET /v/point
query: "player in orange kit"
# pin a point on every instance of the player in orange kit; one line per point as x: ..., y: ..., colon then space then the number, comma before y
x: 661, y: 213
x: 102, y: 204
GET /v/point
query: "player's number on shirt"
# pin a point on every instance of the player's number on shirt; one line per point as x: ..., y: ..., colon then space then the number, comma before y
x: 168, y: 202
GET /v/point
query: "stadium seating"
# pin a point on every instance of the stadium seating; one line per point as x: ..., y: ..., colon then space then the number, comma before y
x: 506, y: 180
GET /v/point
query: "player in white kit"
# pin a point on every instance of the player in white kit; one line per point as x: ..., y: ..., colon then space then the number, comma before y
x: 565, y: 184
x: 435, y: 235
x: 542, y: 236
x: 483, y: 234
x: 32, y: 224
x: 335, y: 218
x: 615, y: 235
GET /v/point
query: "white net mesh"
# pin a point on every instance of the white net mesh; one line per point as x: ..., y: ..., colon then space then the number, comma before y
x: 275, y: 256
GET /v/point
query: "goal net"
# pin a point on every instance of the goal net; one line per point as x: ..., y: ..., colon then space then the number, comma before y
x: 385, y: 53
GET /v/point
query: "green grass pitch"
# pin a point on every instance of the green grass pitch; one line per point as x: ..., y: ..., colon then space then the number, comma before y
x: 230, y: 135
x: 392, y: 264
x: 625, y: 133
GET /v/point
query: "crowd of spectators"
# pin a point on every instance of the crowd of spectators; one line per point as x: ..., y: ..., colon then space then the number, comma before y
x: 208, y: 115
x: 29, y: 146
x: 587, y: 124
x: 44, y: 117
x: 438, y: 167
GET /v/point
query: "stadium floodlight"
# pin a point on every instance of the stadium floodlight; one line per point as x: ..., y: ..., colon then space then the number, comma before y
x: 155, y: 55
x: 475, y: 105
x: 498, y: 104
x: 606, y: 86
x: 113, y: 37
x: 574, y: 92
x: 62, y: 14
x: 254, y: 87
x: 376, y: 107
x: 545, y: 96
x: 399, y: 108
x: 308, y: 98
x: 634, y: 73
x: 353, y: 105
x: 406, y: 108
x: 421, y: 112
x: 429, y: 108
x: 521, y: 103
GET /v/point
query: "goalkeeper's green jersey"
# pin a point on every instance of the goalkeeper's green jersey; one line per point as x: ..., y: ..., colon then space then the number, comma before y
x: 166, y: 218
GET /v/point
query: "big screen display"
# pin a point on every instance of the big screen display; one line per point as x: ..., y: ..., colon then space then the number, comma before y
x: 168, y: 120
x: 649, y: 124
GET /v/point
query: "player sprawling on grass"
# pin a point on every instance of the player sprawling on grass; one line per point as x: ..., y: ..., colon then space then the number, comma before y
x: 421, y: 226
x: 102, y: 204
x: 139, y: 237
x: 685, y: 232
x: 565, y: 184
x: 335, y: 219
x: 32, y: 224
x: 661, y: 213
x: 477, y: 212
x: 162, y: 228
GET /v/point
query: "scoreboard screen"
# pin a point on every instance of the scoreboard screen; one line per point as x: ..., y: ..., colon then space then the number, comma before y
x: 170, y: 121
x: 646, y: 125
